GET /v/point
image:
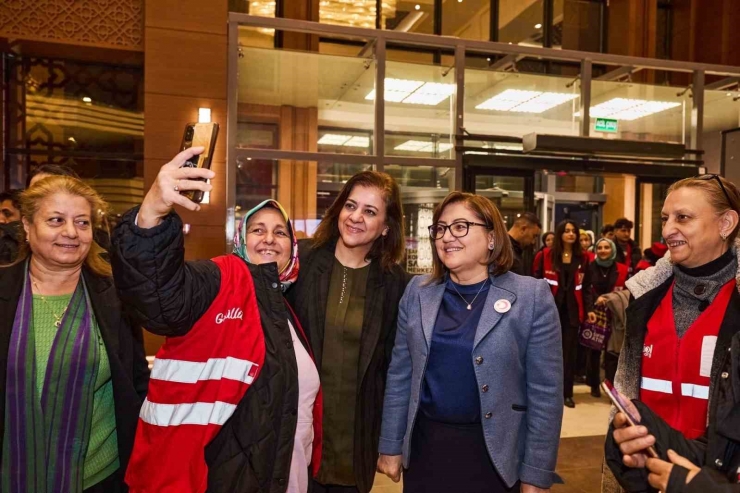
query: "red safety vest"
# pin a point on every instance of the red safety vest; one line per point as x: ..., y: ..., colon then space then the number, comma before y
x: 622, y: 272
x: 553, y: 278
x: 676, y: 372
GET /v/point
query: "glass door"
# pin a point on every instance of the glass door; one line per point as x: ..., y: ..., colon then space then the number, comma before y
x: 651, y: 193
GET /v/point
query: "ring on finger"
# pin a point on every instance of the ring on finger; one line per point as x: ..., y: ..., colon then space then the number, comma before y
x: 177, y: 186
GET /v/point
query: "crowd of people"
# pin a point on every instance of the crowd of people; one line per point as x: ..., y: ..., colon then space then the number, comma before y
x: 307, y: 366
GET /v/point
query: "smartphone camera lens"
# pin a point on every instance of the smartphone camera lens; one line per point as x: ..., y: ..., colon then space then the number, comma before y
x: 189, y: 133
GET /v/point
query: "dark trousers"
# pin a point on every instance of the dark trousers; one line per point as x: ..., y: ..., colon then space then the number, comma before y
x: 570, y: 353
x: 448, y: 458
x: 593, y: 367
x: 112, y: 484
x: 610, y: 365
x: 316, y: 487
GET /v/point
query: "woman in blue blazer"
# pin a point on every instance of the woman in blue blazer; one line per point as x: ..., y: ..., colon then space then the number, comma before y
x: 474, y: 395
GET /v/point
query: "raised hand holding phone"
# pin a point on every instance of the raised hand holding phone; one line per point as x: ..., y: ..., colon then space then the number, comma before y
x: 634, y: 440
x: 172, y: 179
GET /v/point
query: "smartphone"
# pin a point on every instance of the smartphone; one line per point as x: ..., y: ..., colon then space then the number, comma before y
x: 621, y: 406
x: 199, y: 135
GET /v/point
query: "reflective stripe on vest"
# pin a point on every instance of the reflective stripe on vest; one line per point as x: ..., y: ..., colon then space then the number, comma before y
x: 551, y: 282
x: 657, y: 385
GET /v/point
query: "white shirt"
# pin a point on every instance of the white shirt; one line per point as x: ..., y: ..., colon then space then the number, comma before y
x: 308, y: 388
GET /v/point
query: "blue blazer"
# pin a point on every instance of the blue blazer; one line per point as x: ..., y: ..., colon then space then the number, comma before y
x: 516, y: 354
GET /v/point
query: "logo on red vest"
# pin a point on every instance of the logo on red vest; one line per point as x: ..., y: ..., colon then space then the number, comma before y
x: 231, y: 314
x: 647, y: 351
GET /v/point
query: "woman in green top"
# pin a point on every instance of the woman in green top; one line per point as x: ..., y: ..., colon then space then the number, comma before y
x: 347, y: 301
x: 72, y: 368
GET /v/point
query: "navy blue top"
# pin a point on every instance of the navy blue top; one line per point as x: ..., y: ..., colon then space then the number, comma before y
x: 450, y: 390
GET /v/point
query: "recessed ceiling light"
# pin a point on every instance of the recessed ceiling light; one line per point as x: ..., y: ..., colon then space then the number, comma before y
x: 414, y: 92
x: 538, y: 26
x: 519, y: 101
x: 423, y: 146
x: 87, y: 99
x: 629, y: 109
x: 417, y: 7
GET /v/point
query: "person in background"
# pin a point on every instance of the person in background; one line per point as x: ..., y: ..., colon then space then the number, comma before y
x: 607, y: 231
x: 628, y: 252
x: 10, y: 209
x: 347, y: 299
x: 523, y: 234
x: 607, y: 276
x: 651, y: 256
x: 46, y: 170
x: 233, y: 348
x: 547, y: 239
x: 565, y: 267
x: 586, y: 239
x: 686, y: 309
x: 10, y: 225
x: 474, y: 398
x: 73, y: 369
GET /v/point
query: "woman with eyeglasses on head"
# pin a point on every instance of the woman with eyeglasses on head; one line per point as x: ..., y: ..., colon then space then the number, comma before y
x: 565, y: 267
x: 473, y: 401
x: 680, y: 354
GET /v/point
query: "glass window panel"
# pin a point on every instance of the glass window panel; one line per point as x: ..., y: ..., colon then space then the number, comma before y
x: 469, y: 19
x: 643, y: 112
x: 305, y: 92
x: 721, y: 112
x: 520, y: 22
x: 515, y: 104
x: 419, y: 104
x: 355, y: 13
x: 256, y: 181
x: 261, y: 36
x: 415, y: 16
x: 422, y: 188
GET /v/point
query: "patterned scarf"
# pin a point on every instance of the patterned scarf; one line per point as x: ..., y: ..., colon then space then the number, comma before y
x: 289, y: 273
x: 610, y: 261
x: 46, y: 436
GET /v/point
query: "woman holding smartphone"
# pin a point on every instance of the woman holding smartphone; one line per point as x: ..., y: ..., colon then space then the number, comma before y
x: 347, y: 299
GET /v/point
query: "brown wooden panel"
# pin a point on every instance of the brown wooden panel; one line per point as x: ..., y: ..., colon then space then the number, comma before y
x: 258, y: 113
x: 188, y: 15
x: 185, y: 63
x: 205, y: 242
x: 152, y: 343
x: 165, y: 121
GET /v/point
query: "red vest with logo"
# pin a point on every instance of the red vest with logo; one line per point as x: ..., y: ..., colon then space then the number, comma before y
x: 553, y: 278
x: 676, y: 371
x: 196, y: 383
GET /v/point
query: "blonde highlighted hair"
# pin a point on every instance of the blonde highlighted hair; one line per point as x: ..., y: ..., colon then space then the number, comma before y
x: 32, y: 198
x: 722, y: 194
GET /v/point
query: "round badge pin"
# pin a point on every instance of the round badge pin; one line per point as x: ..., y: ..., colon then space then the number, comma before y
x: 502, y: 306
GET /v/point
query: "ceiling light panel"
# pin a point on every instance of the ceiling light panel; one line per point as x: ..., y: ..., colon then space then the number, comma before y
x: 358, y: 141
x: 630, y: 109
x: 334, y: 139
x: 422, y: 146
x: 414, y: 92
x: 519, y: 101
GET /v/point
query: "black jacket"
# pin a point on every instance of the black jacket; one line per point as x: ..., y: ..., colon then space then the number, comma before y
x: 718, y: 451
x: 9, y: 234
x: 123, y: 344
x: 385, y: 288
x: 518, y: 266
x: 253, y: 450
x: 635, y: 257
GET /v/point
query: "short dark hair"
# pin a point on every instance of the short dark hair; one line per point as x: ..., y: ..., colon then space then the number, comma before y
x: 14, y: 195
x: 529, y: 218
x: 623, y: 222
x: 51, y: 169
x: 606, y: 229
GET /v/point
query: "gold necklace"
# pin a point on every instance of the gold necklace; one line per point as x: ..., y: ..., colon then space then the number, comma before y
x: 58, y: 318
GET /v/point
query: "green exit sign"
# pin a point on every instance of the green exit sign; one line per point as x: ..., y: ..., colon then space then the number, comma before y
x: 607, y: 125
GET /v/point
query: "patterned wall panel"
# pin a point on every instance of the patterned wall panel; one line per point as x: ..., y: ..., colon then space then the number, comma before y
x: 107, y: 23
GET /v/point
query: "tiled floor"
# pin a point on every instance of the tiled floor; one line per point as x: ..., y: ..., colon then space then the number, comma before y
x: 581, y: 448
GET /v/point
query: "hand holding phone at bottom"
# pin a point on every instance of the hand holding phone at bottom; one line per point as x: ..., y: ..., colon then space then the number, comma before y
x: 660, y: 470
x: 633, y: 441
